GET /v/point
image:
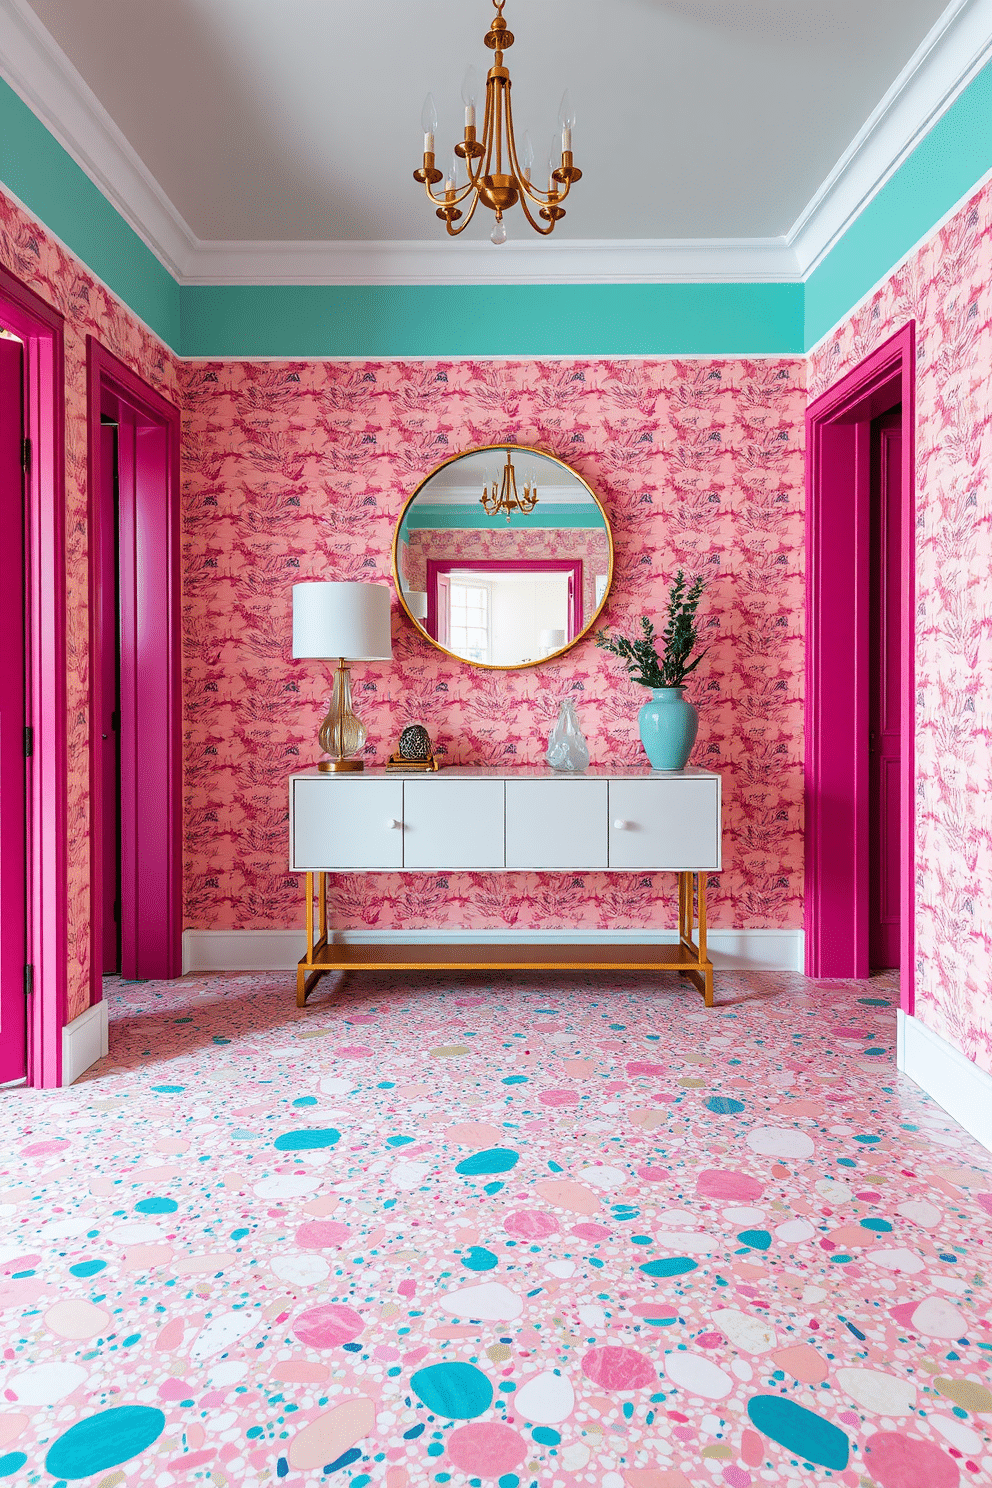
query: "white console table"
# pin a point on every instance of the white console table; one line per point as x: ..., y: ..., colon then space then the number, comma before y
x: 513, y: 820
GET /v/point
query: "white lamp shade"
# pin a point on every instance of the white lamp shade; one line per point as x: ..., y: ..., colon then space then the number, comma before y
x: 416, y: 603
x: 551, y: 640
x: 342, y: 619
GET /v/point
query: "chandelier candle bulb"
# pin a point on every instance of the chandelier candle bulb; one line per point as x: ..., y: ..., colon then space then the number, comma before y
x: 499, y: 176
x: 428, y: 123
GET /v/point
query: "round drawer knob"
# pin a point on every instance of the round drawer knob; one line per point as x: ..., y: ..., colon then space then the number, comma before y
x: 392, y: 823
x: 621, y: 826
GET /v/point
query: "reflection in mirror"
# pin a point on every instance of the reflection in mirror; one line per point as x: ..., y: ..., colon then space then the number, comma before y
x: 503, y: 557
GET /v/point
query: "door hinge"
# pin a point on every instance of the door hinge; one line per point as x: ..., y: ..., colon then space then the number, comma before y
x: 28, y: 981
x: 28, y: 741
x: 25, y: 455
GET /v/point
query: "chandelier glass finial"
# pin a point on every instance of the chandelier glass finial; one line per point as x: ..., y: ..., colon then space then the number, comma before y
x: 499, y: 175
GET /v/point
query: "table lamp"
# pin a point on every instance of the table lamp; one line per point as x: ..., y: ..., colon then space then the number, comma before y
x: 345, y: 622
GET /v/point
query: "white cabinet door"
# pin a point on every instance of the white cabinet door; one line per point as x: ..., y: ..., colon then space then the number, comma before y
x: 556, y: 823
x: 665, y: 824
x: 344, y: 822
x: 453, y: 824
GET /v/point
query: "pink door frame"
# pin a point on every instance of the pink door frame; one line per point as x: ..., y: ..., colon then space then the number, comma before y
x: 40, y: 328
x: 151, y: 707
x: 571, y: 566
x: 13, y: 716
x: 838, y: 506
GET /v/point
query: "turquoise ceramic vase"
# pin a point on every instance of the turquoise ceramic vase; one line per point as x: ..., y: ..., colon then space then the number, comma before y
x: 668, y: 728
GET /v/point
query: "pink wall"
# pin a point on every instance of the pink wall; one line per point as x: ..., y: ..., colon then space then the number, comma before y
x: 37, y: 259
x: 296, y: 471
x: 946, y: 286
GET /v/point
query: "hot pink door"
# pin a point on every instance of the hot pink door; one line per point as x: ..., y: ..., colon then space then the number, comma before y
x: 13, y: 794
x: 885, y: 681
x: 107, y: 630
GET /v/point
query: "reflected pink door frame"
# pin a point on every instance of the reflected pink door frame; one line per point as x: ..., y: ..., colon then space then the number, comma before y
x: 570, y: 566
x: 41, y: 330
x: 838, y: 531
x: 151, y: 712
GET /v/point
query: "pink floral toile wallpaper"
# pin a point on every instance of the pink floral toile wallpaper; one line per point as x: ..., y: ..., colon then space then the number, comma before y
x: 30, y: 252
x: 299, y: 470
x: 946, y: 288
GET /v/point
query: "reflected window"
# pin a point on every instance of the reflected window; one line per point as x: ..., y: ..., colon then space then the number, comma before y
x: 468, y: 628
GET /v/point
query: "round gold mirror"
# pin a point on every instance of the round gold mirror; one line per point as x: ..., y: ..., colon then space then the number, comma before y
x: 503, y: 557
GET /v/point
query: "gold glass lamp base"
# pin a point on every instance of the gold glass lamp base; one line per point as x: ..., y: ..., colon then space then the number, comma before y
x: 342, y: 735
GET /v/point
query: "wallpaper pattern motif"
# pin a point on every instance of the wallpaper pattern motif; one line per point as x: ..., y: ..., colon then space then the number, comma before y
x: 946, y: 287
x: 40, y: 262
x: 298, y: 471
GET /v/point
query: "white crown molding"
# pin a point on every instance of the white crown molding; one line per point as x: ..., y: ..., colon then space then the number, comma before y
x: 955, y: 49
x: 41, y: 74
x: 569, y: 261
x: 942, y: 66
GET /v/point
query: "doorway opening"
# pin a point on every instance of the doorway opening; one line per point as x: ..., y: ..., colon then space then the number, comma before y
x: 859, y: 672
x: 33, y: 727
x: 14, y: 728
x: 885, y: 670
x: 135, y: 766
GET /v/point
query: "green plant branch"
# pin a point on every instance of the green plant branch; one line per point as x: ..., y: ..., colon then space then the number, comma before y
x: 678, y: 640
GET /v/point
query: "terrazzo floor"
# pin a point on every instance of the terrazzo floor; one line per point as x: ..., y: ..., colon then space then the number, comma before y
x: 522, y: 1234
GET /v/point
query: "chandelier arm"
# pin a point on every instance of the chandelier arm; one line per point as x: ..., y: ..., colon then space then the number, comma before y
x: 526, y: 211
x: 453, y: 201
x: 543, y: 198
x: 454, y: 231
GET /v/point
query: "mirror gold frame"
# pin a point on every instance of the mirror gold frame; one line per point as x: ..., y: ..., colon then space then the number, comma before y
x: 482, y: 449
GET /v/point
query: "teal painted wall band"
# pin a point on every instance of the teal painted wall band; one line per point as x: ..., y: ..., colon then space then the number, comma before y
x: 59, y: 192
x: 943, y: 168
x: 437, y: 518
x: 416, y: 321
x: 365, y: 321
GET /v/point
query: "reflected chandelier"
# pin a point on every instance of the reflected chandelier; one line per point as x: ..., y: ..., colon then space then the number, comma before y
x: 498, y: 175
x: 506, y: 499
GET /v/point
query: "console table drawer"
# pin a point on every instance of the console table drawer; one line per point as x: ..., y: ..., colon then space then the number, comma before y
x: 453, y: 824
x: 346, y: 822
x: 556, y: 823
x: 665, y: 824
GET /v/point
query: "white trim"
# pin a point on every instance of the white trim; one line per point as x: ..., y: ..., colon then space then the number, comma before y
x: 519, y: 261
x: 41, y: 74
x: 84, y: 1041
x: 956, y: 48
x: 946, y: 61
x: 279, y: 950
x: 961, y: 1088
x: 448, y: 359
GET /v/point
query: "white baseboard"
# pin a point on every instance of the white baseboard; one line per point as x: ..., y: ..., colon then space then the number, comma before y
x: 962, y: 1088
x: 279, y: 950
x: 84, y: 1041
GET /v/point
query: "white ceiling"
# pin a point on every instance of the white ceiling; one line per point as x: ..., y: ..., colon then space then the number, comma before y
x: 273, y: 141
x: 299, y: 119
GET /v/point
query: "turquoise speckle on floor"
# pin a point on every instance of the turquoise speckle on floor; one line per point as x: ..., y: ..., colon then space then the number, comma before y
x: 719, y: 1249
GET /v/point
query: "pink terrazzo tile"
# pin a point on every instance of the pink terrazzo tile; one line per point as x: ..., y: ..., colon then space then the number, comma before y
x: 357, y: 1244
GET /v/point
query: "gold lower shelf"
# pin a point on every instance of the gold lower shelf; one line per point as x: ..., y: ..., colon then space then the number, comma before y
x: 492, y: 956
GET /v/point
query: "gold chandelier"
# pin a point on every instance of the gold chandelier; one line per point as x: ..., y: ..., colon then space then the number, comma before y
x: 498, y: 175
x: 506, y: 499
